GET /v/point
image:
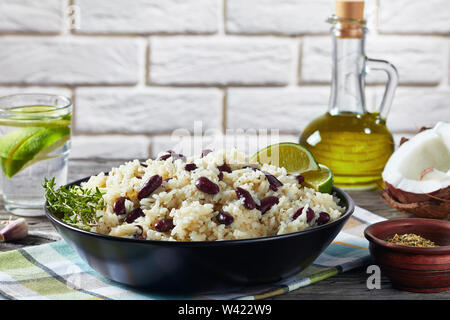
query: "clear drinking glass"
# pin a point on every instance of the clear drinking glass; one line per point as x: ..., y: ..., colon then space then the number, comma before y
x: 35, y: 132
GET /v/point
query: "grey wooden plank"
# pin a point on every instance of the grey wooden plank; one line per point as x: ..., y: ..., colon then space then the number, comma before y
x: 351, y: 285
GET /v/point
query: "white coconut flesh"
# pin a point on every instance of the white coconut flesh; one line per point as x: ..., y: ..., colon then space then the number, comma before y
x: 421, y: 164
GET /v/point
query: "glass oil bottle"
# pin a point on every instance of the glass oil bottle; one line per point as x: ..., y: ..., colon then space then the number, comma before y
x: 353, y: 143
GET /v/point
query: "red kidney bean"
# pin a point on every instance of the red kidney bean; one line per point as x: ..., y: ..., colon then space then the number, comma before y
x: 207, y: 186
x: 133, y: 215
x: 173, y: 154
x: 220, y: 175
x: 323, y: 218
x: 300, y: 178
x: 190, y: 167
x: 267, y: 203
x: 164, y: 225
x: 225, y: 218
x: 297, y: 213
x: 309, y: 214
x: 224, y: 168
x: 249, y: 203
x: 205, y: 152
x: 119, y: 205
x: 151, y: 185
x: 139, y: 234
x: 167, y: 179
x: 165, y: 157
x: 274, y: 182
x: 144, y: 164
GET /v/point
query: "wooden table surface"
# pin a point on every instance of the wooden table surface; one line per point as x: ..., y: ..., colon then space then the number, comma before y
x: 348, y: 285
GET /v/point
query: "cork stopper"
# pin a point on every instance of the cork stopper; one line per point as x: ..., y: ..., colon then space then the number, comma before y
x: 350, y: 9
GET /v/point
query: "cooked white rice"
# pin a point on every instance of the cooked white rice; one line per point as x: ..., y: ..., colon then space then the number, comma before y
x: 193, y: 212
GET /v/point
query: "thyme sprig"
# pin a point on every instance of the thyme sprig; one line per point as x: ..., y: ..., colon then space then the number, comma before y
x: 74, y: 205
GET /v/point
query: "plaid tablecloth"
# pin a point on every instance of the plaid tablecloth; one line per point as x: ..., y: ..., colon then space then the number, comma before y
x: 55, y: 271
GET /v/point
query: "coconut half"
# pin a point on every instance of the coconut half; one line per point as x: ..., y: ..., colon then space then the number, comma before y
x: 417, y: 175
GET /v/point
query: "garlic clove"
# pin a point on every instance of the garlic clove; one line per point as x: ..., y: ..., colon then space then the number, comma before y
x: 15, y: 230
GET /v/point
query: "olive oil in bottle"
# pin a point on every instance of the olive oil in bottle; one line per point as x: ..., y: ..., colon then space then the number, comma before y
x: 354, y: 143
x: 354, y: 146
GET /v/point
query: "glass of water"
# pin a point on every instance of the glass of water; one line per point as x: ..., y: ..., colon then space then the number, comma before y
x: 35, y: 132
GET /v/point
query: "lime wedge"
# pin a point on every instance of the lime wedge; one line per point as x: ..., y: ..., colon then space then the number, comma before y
x: 321, y: 180
x: 26, y: 122
x: 293, y: 157
x: 20, y: 147
x: 34, y: 116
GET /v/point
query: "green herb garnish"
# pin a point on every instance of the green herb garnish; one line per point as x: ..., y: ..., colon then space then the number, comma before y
x: 74, y: 205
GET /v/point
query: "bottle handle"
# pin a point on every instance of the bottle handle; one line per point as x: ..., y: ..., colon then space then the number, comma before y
x: 391, y: 84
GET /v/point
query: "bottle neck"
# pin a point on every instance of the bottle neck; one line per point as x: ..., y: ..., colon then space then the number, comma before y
x: 347, y: 86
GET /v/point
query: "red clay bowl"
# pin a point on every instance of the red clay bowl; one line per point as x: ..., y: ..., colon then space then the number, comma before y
x: 416, y: 269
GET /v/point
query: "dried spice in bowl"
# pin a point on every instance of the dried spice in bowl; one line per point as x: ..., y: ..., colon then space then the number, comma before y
x: 411, y: 239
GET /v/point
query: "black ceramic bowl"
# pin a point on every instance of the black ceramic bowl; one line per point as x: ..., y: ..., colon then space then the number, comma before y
x: 168, y: 266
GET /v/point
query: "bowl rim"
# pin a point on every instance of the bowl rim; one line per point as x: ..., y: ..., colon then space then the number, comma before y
x: 349, y: 211
x: 369, y: 234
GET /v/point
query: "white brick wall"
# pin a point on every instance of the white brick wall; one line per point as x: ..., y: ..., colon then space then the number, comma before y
x: 259, y: 17
x: 220, y: 61
x: 110, y: 146
x: 288, y: 109
x: 137, y: 70
x: 150, y: 110
x: 69, y: 60
x: 415, y: 107
x: 149, y: 16
x: 406, y: 16
x: 43, y: 16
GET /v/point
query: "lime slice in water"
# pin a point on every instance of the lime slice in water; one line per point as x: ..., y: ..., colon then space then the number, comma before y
x: 321, y: 180
x: 292, y: 156
x: 36, y: 116
x: 20, y: 147
x: 33, y: 109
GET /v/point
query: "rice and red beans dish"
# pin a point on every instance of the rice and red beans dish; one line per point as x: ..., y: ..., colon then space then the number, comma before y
x: 214, y: 196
